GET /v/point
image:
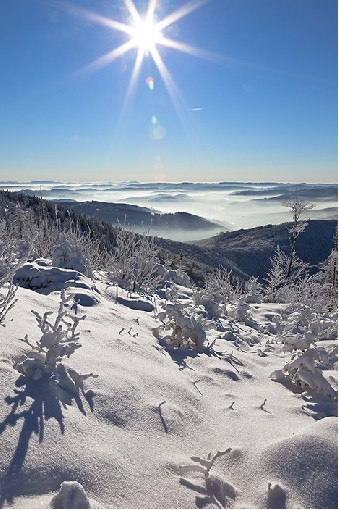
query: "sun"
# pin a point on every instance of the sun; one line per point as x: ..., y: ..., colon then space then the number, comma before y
x: 146, y: 35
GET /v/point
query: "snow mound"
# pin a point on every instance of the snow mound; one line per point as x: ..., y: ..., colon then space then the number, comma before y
x: 70, y: 495
x: 136, y: 303
x: 308, y: 463
x: 38, y: 275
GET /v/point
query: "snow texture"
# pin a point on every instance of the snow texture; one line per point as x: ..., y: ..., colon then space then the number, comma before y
x: 186, y: 418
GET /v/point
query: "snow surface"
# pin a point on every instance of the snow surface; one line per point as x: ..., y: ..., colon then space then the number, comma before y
x: 161, y: 427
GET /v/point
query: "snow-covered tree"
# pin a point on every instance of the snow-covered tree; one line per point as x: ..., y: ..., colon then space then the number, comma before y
x: 329, y: 277
x: 298, y: 206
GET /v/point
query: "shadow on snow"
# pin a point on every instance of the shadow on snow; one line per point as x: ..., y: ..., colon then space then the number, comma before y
x: 34, y: 403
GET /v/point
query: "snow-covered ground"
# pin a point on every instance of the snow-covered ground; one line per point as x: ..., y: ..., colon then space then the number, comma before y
x: 161, y: 427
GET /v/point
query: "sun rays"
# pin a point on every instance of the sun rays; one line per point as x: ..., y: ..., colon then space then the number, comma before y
x: 145, y: 35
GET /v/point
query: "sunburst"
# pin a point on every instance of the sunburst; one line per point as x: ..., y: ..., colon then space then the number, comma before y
x: 146, y: 36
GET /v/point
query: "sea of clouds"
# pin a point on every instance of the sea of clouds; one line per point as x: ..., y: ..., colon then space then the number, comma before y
x: 234, y: 204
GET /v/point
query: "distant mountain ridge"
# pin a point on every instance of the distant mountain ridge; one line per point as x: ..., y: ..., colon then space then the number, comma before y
x: 248, y: 251
x: 142, y: 219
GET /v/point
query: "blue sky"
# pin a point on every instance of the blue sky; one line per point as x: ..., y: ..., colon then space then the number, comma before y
x: 263, y: 108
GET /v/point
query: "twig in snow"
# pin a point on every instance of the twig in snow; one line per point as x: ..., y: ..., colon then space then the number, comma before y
x: 229, y: 359
x: 123, y: 329
x: 184, y: 365
x: 161, y: 416
x: 262, y: 405
x: 196, y: 387
x: 208, y: 463
x: 231, y: 406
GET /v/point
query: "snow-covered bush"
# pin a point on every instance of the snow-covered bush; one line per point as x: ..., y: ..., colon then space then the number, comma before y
x: 58, y: 340
x: 179, y: 277
x: 7, y: 302
x: 185, y: 332
x: 219, y: 290
x: 253, y: 290
x: 240, y: 311
x: 92, y: 252
x: 302, y: 369
x: 134, y: 264
x: 303, y: 328
x: 328, y: 278
x: 69, y: 255
x: 13, y: 253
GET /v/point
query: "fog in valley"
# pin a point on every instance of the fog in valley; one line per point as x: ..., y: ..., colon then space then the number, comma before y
x: 229, y: 205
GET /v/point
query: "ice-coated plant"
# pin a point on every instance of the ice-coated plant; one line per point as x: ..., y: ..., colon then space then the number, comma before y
x: 302, y: 369
x: 184, y: 331
x: 220, y: 289
x: 7, y: 302
x: 253, y: 290
x: 71, y: 495
x: 298, y: 206
x: 135, y: 262
x: 13, y: 254
x: 69, y: 255
x: 58, y: 340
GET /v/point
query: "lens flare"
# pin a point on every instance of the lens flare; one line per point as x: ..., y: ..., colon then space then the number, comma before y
x: 150, y: 82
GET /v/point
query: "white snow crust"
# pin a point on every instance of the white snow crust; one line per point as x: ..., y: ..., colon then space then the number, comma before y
x: 147, y: 431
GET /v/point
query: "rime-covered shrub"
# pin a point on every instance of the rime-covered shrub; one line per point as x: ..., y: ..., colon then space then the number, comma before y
x: 13, y: 253
x: 58, y: 340
x: 135, y: 262
x: 303, y: 329
x: 280, y: 287
x: 7, y: 301
x: 219, y: 290
x: 253, y: 290
x: 179, y: 277
x: 302, y: 369
x: 240, y: 311
x: 184, y: 331
x: 69, y: 255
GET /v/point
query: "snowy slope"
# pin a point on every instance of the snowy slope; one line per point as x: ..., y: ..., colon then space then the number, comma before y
x: 141, y: 433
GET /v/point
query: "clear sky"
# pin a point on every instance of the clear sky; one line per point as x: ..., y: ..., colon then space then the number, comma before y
x: 257, y: 99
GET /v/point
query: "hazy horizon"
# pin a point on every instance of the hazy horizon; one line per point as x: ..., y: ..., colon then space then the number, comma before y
x: 235, y: 204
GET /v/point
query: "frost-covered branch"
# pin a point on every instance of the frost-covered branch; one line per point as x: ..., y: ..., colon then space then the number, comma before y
x: 58, y: 340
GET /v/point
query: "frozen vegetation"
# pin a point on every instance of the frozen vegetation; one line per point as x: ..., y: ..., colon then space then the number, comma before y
x: 126, y: 385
